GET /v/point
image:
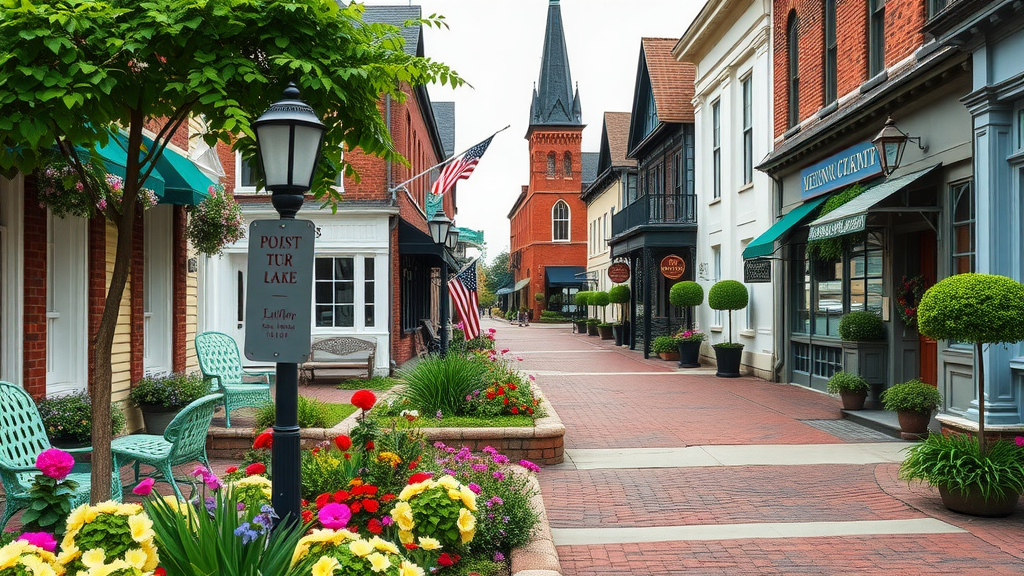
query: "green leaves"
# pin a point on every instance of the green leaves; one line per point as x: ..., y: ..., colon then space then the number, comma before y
x: 954, y: 462
x: 973, y: 308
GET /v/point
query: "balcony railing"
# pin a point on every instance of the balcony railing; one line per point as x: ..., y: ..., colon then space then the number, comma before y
x: 656, y: 209
x: 937, y: 6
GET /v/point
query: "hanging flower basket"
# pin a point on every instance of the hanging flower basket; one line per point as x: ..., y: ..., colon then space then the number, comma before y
x: 215, y: 222
x: 61, y: 189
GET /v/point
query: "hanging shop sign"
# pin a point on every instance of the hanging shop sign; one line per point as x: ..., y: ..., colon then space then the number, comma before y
x: 672, y: 267
x: 618, y: 272
x: 847, y: 167
x: 757, y: 271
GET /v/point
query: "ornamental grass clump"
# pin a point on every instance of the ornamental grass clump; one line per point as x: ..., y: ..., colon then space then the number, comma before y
x: 954, y: 462
x: 439, y: 384
x: 861, y: 326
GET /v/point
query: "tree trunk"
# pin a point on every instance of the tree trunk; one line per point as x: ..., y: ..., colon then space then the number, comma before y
x: 981, y: 399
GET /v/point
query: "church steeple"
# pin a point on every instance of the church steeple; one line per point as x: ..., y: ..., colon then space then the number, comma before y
x: 554, y: 103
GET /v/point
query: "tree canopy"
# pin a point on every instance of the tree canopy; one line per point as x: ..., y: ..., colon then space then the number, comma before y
x: 498, y: 274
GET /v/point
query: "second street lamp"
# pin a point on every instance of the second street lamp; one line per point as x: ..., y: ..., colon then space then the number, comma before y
x: 440, y: 227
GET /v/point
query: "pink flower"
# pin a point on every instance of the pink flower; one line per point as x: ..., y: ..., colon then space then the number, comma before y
x: 144, y: 488
x: 529, y: 465
x: 55, y: 463
x: 42, y: 540
x: 335, y: 516
x: 1019, y: 440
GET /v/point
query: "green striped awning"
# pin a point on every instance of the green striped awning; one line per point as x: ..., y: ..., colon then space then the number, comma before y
x: 764, y: 245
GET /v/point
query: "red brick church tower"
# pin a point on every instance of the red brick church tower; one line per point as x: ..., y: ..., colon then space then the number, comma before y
x: 548, y: 244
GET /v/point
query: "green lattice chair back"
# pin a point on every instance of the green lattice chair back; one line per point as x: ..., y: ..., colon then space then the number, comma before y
x: 219, y: 359
x: 187, y: 432
x: 22, y: 436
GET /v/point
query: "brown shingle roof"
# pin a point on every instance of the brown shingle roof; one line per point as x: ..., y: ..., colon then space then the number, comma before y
x: 671, y: 80
x: 616, y: 124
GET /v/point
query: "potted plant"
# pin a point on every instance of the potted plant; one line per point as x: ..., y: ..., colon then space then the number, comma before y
x: 913, y: 402
x: 600, y: 300
x: 687, y: 294
x: 161, y: 397
x: 688, y: 344
x: 604, y: 330
x: 538, y: 297
x: 982, y: 309
x: 68, y: 420
x: 582, y: 299
x: 592, y: 326
x: 851, y: 388
x: 865, y: 351
x: 728, y: 295
x: 665, y: 347
x: 619, y: 294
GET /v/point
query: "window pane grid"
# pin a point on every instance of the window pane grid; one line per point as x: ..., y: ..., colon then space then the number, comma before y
x: 335, y: 292
x: 560, y: 221
x: 748, y: 130
x: 963, y: 227
x: 716, y: 145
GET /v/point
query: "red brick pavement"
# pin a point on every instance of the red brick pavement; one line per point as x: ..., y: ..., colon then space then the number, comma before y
x: 602, y: 411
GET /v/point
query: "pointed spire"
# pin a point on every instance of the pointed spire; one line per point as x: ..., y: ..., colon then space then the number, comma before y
x: 553, y: 101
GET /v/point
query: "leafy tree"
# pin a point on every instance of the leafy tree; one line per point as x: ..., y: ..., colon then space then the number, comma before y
x: 484, y: 295
x: 73, y: 71
x: 498, y: 273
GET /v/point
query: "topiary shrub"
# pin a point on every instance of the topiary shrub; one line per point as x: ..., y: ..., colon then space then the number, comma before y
x: 728, y: 295
x: 582, y: 298
x: 600, y: 299
x: 686, y: 293
x: 619, y: 294
x: 912, y: 396
x: 861, y: 326
x: 978, y: 308
x: 841, y: 381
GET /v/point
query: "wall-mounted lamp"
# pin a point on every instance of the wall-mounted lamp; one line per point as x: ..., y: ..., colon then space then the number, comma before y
x: 890, y: 143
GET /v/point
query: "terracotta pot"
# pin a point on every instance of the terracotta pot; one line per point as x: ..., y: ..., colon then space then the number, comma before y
x: 973, y: 504
x: 689, y: 354
x: 669, y: 355
x: 913, y: 425
x: 854, y: 400
x: 728, y: 359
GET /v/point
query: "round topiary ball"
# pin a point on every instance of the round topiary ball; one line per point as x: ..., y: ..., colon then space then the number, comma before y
x: 861, y: 326
x: 686, y: 293
x: 583, y: 298
x: 981, y: 308
x: 599, y: 299
x: 618, y: 294
x: 727, y: 295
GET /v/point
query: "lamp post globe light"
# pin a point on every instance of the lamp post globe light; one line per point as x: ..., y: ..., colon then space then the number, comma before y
x: 288, y: 139
x: 440, y: 229
x: 452, y: 241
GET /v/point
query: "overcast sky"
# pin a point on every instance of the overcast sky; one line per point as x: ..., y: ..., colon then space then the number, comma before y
x: 496, y: 46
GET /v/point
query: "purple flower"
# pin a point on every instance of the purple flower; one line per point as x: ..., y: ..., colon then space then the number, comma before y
x: 529, y: 465
x: 479, y: 467
x: 42, y: 540
x: 494, y: 501
x: 489, y: 450
x: 387, y: 521
x: 499, y: 557
x: 499, y: 459
x: 1019, y: 440
x: 335, y: 516
x: 439, y: 416
x: 448, y: 471
x: 55, y: 463
x: 474, y: 487
x: 498, y: 475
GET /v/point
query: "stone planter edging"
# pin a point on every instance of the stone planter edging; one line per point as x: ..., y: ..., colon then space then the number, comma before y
x: 539, y: 557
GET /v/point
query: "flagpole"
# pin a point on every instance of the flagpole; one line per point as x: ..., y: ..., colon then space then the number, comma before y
x: 443, y: 162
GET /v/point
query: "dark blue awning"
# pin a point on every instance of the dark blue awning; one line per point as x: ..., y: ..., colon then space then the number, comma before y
x: 565, y: 276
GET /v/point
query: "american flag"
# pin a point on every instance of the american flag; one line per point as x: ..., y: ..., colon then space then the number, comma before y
x: 460, y: 168
x: 463, y: 292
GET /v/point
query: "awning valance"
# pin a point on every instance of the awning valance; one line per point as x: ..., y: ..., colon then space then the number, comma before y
x: 853, y: 216
x: 565, y: 276
x: 503, y: 291
x: 764, y: 245
x: 175, y: 179
x: 521, y: 284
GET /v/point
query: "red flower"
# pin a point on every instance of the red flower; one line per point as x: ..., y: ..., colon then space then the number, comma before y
x: 505, y: 400
x: 343, y: 442
x: 363, y: 399
x: 316, y: 450
x: 371, y: 506
x: 160, y: 571
x: 231, y: 469
x: 307, y: 516
x: 515, y: 410
x: 445, y: 560
x: 387, y: 498
x: 500, y: 390
x: 511, y: 386
x: 374, y: 526
x: 322, y: 500
x: 369, y: 490
x: 264, y: 440
x: 420, y: 477
x: 369, y: 446
x: 411, y: 546
x: 348, y: 456
x: 255, y: 468
x: 490, y: 395
x: 356, y: 507
x: 414, y: 463
x: 341, y: 496
x: 530, y: 411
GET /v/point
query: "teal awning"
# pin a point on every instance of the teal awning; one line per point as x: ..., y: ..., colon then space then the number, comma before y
x: 853, y: 216
x: 522, y: 284
x: 503, y: 291
x: 175, y: 179
x: 764, y: 245
x: 565, y: 276
x: 115, y: 158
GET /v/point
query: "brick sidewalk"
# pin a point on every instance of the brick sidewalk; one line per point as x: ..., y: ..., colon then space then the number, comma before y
x: 603, y: 404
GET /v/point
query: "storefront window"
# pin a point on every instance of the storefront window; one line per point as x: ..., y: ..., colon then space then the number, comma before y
x: 801, y: 292
x: 963, y: 227
x: 335, y: 294
x: 865, y: 272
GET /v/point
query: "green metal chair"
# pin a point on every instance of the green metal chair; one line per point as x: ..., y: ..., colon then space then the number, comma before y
x: 221, y: 364
x: 22, y: 438
x: 182, y: 442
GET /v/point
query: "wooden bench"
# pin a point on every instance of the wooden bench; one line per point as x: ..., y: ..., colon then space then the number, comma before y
x: 333, y: 353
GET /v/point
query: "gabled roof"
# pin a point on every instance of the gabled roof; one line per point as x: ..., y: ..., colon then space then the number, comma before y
x: 668, y: 81
x: 444, y: 115
x: 397, y: 16
x: 554, y: 103
x: 588, y: 167
x: 614, y: 141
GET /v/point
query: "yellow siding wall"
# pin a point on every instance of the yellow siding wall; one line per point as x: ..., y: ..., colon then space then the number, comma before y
x: 191, y: 317
x: 121, y: 355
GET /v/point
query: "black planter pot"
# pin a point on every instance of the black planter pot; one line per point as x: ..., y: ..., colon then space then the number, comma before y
x: 581, y: 327
x: 617, y: 333
x: 689, y: 354
x: 156, y: 417
x: 728, y: 359
x: 627, y: 336
x: 592, y: 330
x: 605, y: 332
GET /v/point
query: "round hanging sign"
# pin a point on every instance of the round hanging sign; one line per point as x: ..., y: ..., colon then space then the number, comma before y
x: 618, y: 272
x: 672, y: 267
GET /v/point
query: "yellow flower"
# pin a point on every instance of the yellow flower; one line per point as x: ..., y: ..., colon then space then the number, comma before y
x: 318, y: 535
x: 402, y: 514
x: 383, y: 545
x: 108, y: 507
x: 37, y: 566
x: 414, y: 489
x: 9, y: 554
x: 467, y: 525
x: 390, y: 458
x: 141, y: 527
x: 90, y: 514
x: 428, y: 543
x: 68, y: 553
x: 468, y: 498
x: 152, y: 558
x: 407, y: 568
x: 340, y: 536
x: 378, y: 562
x: 326, y: 566
x: 449, y: 482
x: 360, y: 547
x: 301, y: 549
x: 129, y: 509
x: 75, y: 521
x: 405, y: 536
x: 94, y: 558
x: 136, y: 557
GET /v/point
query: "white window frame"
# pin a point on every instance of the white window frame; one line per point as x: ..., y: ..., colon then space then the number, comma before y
x: 358, y: 293
x: 567, y: 220
x: 239, y: 188
x: 716, y: 259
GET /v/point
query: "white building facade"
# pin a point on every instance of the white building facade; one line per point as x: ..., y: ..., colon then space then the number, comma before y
x: 729, y: 42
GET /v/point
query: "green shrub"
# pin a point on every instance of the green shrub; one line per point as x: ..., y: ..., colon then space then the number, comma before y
x: 664, y: 344
x: 313, y: 413
x: 593, y: 321
x: 727, y: 295
x: 973, y: 308
x: 175, y: 390
x: 618, y: 294
x: 552, y: 316
x: 861, y: 326
x: 539, y: 297
x: 955, y: 462
x: 68, y: 418
x: 599, y: 299
x: 442, y: 384
x: 686, y: 293
x: 844, y: 381
x: 604, y: 325
x: 510, y: 315
x: 912, y: 396
x: 583, y: 298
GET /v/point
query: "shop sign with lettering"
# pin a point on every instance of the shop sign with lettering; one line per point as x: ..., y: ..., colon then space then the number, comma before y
x: 757, y: 271
x: 618, y: 272
x: 848, y: 167
x: 672, y: 267
x: 279, y: 292
x: 856, y: 223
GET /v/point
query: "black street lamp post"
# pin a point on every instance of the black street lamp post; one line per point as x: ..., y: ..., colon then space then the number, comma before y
x: 440, y: 226
x: 288, y: 136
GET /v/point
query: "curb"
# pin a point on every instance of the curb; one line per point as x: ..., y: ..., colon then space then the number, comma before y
x: 538, y: 557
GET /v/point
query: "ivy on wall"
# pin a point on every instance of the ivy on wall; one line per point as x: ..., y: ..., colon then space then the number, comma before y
x: 832, y: 249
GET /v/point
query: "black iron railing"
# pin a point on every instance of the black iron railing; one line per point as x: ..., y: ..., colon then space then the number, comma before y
x: 656, y: 209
